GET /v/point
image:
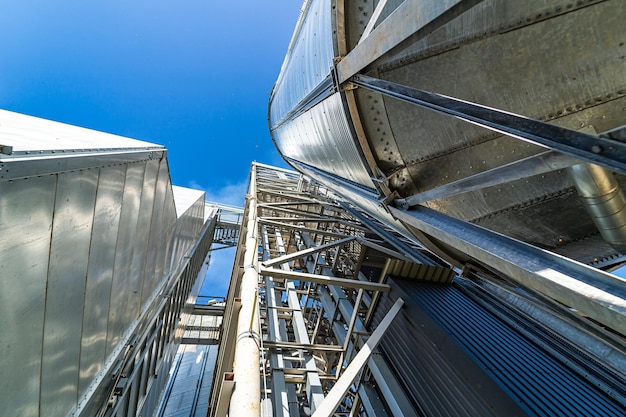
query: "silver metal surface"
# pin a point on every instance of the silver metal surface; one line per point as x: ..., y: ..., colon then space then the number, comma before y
x: 572, y: 52
x: 34, y: 136
x: 339, y: 390
x: 411, y: 17
x: 122, y: 286
x: 26, y: 208
x: 69, y: 254
x: 307, y: 336
x: 597, y: 149
x: 141, y: 236
x: 158, y: 240
x: 308, y: 61
x: 604, y: 200
x: 373, y: 20
x: 82, y: 256
x: 322, y: 138
x: 542, y: 163
x: 100, y: 273
x: 322, y: 279
x: 594, y: 293
x: 283, y: 398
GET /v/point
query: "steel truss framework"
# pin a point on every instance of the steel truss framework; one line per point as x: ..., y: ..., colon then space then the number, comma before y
x: 317, y: 272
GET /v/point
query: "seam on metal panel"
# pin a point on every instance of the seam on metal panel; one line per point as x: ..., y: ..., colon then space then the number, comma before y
x: 514, y: 24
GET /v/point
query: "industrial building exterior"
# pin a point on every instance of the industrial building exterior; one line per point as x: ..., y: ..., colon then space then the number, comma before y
x: 445, y: 246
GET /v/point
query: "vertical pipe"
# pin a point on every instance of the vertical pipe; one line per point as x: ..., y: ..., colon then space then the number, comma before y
x: 604, y: 200
x: 246, y: 397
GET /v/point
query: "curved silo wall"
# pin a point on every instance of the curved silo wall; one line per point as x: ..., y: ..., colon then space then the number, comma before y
x: 560, y: 64
x: 308, y: 118
x: 309, y: 59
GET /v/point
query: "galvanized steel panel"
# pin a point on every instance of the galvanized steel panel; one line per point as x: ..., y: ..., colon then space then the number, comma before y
x: 26, y: 211
x: 35, y: 136
x: 308, y: 61
x: 185, y: 198
x: 100, y: 273
x: 169, y: 238
x: 188, y: 224
x: 120, y: 315
x: 140, y: 240
x: 67, y: 272
x: 569, y: 67
x: 190, y: 211
x: 321, y: 137
x: 79, y: 267
x: 157, y: 241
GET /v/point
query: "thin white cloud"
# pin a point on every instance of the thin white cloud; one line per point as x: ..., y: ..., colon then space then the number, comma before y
x: 230, y: 194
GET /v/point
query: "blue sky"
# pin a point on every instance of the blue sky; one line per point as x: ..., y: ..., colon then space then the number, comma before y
x: 192, y: 75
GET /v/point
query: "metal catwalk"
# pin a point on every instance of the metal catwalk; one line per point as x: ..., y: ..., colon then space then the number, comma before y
x: 318, y: 283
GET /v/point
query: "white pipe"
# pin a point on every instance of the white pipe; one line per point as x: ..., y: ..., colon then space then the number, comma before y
x: 246, y: 397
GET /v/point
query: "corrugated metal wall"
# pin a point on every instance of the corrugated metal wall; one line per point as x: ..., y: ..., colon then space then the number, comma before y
x: 309, y: 60
x: 82, y: 253
x: 304, y: 128
x: 493, y: 369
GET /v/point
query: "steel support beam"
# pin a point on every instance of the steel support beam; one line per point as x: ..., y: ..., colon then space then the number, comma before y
x: 306, y: 252
x: 412, y: 18
x: 323, y: 279
x: 592, y: 292
x: 314, y: 391
x: 300, y: 228
x: 277, y: 332
x: 595, y: 149
x: 302, y: 346
x: 382, y: 249
x: 371, y: 401
x: 541, y: 163
x: 339, y: 390
x: 406, y: 250
x: 226, y: 391
x: 385, y: 380
x: 373, y: 19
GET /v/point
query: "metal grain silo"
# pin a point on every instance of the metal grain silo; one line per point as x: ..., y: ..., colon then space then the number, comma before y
x: 490, y: 133
x: 502, y: 114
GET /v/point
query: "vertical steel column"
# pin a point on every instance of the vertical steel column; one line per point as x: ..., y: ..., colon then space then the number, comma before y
x: 280, y: 392
x: 246, y: 397
x: 314, y: 391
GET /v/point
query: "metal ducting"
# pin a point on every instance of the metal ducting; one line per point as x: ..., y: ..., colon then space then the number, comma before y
x: 604, y: 200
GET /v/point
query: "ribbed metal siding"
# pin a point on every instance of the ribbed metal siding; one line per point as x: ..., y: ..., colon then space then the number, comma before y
x: 428, y: 364
x: 75, y: 275
x: 321, y: 137
x: 308, y: 61
x: 540, y: 384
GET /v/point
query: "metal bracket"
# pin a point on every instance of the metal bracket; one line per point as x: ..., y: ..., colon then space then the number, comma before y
x: 6, y: 149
